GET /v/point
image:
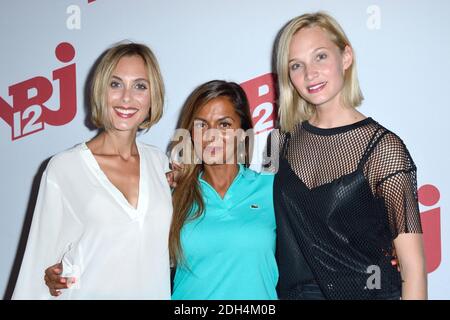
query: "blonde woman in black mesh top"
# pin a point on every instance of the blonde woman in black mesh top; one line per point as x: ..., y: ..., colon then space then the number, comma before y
x: 345, y: 192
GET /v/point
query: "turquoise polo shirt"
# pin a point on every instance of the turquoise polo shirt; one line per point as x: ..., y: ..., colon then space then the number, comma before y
x: 230, y: 250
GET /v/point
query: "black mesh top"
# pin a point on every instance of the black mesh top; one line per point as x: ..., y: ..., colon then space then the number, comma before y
x: 341, y: 197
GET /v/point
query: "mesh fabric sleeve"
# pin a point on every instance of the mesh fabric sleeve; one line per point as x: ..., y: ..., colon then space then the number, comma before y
x: 393, y: 173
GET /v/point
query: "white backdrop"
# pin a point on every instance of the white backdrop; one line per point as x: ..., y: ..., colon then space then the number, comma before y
x: 402, y: 49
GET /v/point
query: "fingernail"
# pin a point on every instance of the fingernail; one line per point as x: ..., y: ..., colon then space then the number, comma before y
x: 63, y: 280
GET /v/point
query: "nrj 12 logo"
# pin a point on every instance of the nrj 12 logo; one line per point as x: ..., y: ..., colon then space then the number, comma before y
x: 429, y: 197
x: 261, y: 95
x: 29, y: 110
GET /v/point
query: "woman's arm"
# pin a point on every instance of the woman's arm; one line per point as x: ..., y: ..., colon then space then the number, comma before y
x: 394, y: 173
x: 53, y: 228
x: 42, y: 245
x: 410, y: 252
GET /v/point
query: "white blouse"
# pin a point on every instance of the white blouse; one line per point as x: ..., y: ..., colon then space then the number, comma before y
x: 114, y: 250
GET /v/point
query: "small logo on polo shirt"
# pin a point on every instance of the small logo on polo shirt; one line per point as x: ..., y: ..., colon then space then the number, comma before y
x: 254, y: 206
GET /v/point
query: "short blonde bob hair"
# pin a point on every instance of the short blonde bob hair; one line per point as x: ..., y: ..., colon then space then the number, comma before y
x: 103, y: 74
x: 292, y: 107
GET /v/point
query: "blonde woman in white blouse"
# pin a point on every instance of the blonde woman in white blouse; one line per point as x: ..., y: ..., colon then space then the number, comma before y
x: 104, y: 207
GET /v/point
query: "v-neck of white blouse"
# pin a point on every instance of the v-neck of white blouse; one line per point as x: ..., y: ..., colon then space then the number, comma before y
x: 92, y: 163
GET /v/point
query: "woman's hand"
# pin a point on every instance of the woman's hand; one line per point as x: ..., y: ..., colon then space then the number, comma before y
x: 170, y: 176
x: 394, y: 260
x: 173, y: 176
x: 55, y: 282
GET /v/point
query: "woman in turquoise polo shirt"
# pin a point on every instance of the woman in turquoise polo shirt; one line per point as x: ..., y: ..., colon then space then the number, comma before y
x: 223, y: 233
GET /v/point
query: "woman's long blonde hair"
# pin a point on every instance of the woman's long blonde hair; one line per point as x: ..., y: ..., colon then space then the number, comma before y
x: 292, y: 107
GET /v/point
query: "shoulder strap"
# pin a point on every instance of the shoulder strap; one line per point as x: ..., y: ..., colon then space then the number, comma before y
x: 379, y: 133
x: 286, y: 144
